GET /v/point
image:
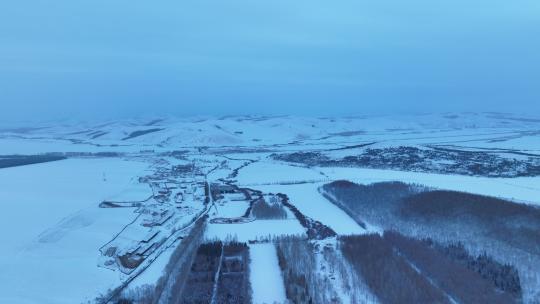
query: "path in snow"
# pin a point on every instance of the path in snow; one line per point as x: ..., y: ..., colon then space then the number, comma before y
x: 265, y: 275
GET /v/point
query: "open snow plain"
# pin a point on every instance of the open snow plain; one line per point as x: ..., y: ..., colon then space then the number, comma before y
x: 52, y: 228
x: 136, y: 211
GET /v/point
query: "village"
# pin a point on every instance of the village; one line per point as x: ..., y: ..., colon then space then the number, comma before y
x: 181, y: 194
x: 179, y: 197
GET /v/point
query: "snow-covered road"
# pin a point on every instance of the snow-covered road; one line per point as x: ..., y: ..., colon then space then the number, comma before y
x: 265, y: 275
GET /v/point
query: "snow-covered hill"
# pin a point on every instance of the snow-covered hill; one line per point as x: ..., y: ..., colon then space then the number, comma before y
x: 475, y: 129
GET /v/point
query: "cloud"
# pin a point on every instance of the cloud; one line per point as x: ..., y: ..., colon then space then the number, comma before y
x: 231, y: 57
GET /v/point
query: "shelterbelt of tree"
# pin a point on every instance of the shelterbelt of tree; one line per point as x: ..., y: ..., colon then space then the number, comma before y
x: 7, y: 161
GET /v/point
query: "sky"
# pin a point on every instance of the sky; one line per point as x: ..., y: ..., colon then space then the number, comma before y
x: 123, y: 58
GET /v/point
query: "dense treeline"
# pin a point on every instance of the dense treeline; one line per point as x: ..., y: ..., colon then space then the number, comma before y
x: 171, y: 284
x: 141, y: 133
x: 515, y: 224
x: 316, y: 273
x: 504, y: 231
x: 234, y: 285
x: 7, y: 161
x: 440, y: 203
x: 176, y: 271
x: 268, y: 210
x: 391, y: 268
x: 400, y: 269
x: 298, y: 267
x: 200, y: 283
x: 398, y: 206
x: 375, y: 203
x: 219, y: 272
x: 314, y: 229
x: 391, y: 278
x: 458, y: 281
x: 503, y: 276
x: 392, y: 205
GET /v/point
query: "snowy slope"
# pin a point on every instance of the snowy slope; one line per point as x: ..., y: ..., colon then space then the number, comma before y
x: 172, y: 133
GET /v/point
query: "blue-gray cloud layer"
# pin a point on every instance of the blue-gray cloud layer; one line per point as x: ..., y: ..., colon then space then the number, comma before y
x: 131, y: 57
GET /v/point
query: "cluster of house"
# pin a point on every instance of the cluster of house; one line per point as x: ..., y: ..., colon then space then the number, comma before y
x: 177, y: 192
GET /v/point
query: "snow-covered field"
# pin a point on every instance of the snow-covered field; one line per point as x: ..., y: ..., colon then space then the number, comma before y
x: 52, y: 228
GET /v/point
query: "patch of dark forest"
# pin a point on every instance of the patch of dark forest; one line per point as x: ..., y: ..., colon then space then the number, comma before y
x: 97, y: 134
x: 443, y: 161
x: 314, y: 229
x: 221, y: 269
x: 141, y: 133
x: 499, y: 231
x: 398, y: 269
x: 263, y: 210
x: 7, y: 161
x: 213, y: 272
x: 297, y: 263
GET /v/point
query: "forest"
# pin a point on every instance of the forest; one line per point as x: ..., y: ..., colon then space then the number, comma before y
x: 7, y: 161
x: 503, y: 236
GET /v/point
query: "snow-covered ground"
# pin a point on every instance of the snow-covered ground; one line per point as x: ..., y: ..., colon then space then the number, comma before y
x: 52, y: 228
x: 265, y: 275
x: 230, y: 209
